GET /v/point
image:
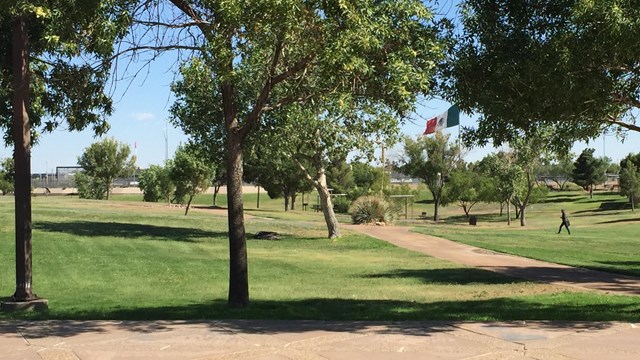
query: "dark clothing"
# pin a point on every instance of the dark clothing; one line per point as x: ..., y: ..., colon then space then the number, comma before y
x: 565, y: 223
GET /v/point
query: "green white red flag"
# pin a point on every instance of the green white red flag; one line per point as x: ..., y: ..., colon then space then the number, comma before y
x: 445, y: 120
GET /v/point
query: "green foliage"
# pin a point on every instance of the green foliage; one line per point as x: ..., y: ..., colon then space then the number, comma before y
x: 341, y: 204
x: 371, y: 209
x: 563, y: 64
x: 75, y: 41
x: 90, y: 187
x: 588, y: 170
x: 431, y: 159
x: 630, y: 183
x: 6, y: 175
x: 468, y: 187
x: 156, y: 184
x: 104, y: 161
x: 190, y: 173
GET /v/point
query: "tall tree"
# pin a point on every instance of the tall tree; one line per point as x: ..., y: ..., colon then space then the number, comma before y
x: 55, y: 59
x: 526, y: 64
x: 589, y: 170
x: 107, y: 160
x: 258, y: 56
x: 431, y: 159
x: 506, y: 175
x: 630, y: 183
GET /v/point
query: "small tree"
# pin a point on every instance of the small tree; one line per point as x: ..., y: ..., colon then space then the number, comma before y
x: 467, y: 187
x: 588, y: 170
x: 105, y: 161
x: 560, y: 171
x: 432, y: 160
x: 155, y: 183
x: 630, y: 183
x: 190, y: 173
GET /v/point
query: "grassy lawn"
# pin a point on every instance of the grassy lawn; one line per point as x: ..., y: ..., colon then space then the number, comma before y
x: 132, y: 260
x: 604, y: 235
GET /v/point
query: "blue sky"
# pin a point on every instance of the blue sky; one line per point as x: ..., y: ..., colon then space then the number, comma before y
x: 142, y: 108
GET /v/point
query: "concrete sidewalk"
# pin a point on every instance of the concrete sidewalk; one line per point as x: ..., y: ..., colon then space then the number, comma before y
x: 281, y: 340
x: 505, y: 264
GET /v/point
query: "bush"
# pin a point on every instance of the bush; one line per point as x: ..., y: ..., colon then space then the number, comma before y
x: 341, y: 204
x: 90, y: 187
x: 369, y: 209
x: 156, y: 184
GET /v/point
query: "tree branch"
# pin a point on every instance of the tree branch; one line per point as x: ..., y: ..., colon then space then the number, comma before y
x: 171, y: 26
x: 614, y: 121
x: 188, y: 10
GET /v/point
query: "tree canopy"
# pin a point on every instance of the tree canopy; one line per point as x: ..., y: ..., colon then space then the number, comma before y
x: 107, y: 160
x: 528, y: 64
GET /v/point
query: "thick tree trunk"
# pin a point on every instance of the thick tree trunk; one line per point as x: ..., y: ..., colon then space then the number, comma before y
x: 591, y: 191
x: 238, y: 267
x: 327, y: 205
x: 436, y: 206
x: 293, y: 201
x: 22, y: 157
x: 509, y: 212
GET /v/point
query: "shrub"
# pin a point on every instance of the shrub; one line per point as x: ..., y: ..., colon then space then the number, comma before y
x: 90, y: 187
x: 369, y: 209
x: 341, y: 204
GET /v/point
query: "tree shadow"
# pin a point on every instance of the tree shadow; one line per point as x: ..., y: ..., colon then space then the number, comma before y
x: 454, y: 276
x: 620, y: 221
x: 329, y: 314
x: 128, y: 231
x: 560, y: 199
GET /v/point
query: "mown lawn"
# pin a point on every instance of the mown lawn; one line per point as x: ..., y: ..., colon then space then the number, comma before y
x: 133, y: 260
x: 605, y: 235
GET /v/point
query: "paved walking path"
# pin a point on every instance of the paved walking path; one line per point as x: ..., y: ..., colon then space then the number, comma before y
x: 316, y: 340
x: 320, y: 340
x: 505, y: 264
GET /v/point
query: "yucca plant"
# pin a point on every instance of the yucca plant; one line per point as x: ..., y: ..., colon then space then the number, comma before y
x: 370, y: 209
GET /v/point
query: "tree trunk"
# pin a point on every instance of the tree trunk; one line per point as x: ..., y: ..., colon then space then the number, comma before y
x: 188, y: 205
x: 509, y: 212
x: 501, y: 207
x: 238, y: 267
x: 436, y: 206
x: 22, y: 158
x: 286, y: 200
x: 108, y: 187
x: 591, y: 191
x: 633, y: 203
x: 327, y: 205
x: 293, y: 201
x: 522, y: 218
x: 216, y: 190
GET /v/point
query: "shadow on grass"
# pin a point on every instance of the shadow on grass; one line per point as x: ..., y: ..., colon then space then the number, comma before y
x: 454, y: 276
x: 620, y: 221
x: 560, y: 199
x: 128, y: 231
x: 353, y: 315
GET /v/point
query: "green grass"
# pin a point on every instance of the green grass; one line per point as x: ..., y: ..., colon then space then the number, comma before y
x: 133, y: 260
x: 604, y: 235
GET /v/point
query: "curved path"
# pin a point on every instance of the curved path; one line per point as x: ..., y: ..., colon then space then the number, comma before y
x: 505, y: 264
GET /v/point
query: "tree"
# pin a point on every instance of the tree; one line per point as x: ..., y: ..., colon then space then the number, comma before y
x: 48, y: 76
x: 559, y: 171
x: 276, y: 173
x: 365, y: 177
x: 257, y: 57
x: 105, y: 161
x: 588, y: 170
x: 156, y: 184
x: 468, y: 187
x: 431, y: 159
x: 630, y: 183
x: 505, y: 174
x: 6, y: 175
x: 527, y: 64
x: 190, y: 173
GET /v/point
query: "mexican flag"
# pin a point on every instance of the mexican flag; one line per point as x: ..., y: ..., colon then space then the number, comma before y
x: 447, y: 119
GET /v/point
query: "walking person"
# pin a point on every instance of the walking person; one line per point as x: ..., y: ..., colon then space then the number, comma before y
x: 565, y: 223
